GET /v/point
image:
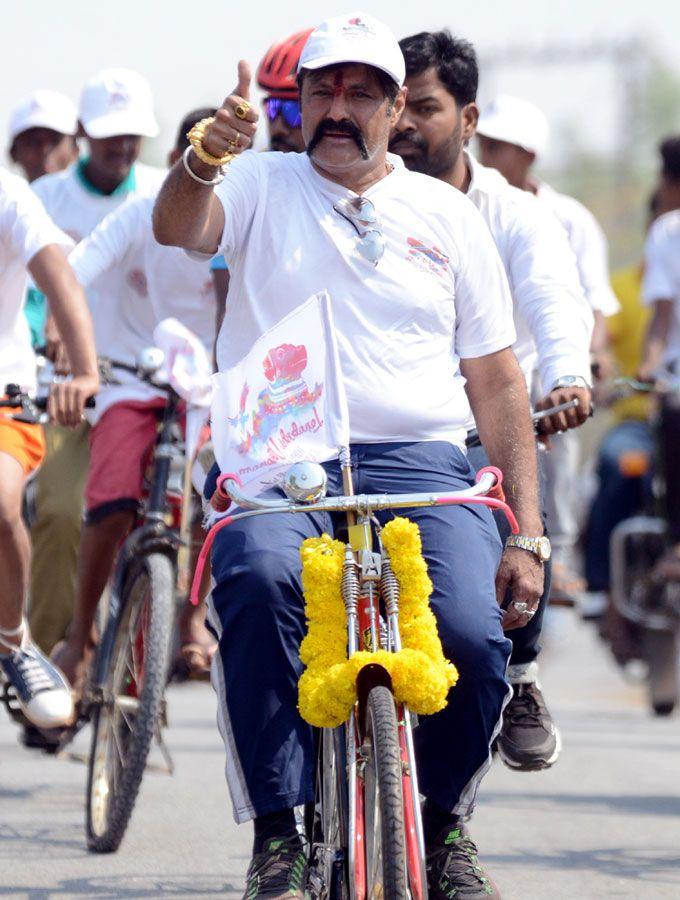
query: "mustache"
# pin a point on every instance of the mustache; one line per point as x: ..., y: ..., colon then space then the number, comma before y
x: 415, y: 140
x: 344, y: 126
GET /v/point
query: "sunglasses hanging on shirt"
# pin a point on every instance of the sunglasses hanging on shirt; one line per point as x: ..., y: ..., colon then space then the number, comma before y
x: 289, y: 109
x: 361, y: 214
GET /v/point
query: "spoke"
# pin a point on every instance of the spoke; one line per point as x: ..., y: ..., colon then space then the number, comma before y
x: 121, y: 756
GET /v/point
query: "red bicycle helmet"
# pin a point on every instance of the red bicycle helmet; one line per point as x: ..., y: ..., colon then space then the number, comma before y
x: 277, y: 73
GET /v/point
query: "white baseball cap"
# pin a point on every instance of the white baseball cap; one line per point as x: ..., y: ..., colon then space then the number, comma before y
x: 117, y: 101
x: 516, y: 121
x: 43, y: 109
x: 354, y: 38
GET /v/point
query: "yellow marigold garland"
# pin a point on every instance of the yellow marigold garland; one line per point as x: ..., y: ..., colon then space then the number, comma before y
x: 421, y: 674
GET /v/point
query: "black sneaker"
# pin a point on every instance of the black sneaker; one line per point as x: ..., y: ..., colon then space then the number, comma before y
x: 529, y: 739
x: 279, y: 872
x: 453, y: 870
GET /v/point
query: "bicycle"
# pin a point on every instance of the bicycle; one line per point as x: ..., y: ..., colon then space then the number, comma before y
x: 125, y: 695
x: 364, y: 828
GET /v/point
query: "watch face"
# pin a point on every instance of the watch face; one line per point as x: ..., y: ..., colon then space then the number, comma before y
x: 544, y: 549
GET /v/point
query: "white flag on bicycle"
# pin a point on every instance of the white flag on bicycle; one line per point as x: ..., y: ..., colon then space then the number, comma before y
x: 284, y: 402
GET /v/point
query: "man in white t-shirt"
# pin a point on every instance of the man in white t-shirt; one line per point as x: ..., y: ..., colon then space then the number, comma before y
x: 115, y: 114
x: 125, y: 420
x: 552, y: 319
x: 30, y: 242
x: 420, y: 305
x: 512, y: 135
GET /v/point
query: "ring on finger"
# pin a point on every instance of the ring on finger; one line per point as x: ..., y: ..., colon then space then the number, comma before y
x: 234, y: 142
x: 530, y: 613
x: 242, y: 109
x: 520, y: 606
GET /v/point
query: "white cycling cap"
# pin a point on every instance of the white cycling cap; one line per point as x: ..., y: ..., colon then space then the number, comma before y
x: 43, y: 109
x: 354, y: 38
x: 516, y: 121
x: 117, y: 101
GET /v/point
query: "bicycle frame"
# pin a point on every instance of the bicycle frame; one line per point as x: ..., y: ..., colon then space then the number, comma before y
x: 369, y: 588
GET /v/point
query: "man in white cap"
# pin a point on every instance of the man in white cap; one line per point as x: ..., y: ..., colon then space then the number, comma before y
x: 513, y: 134
x: 420, y: 303
x: 42, y: 133
x: 115, y: 114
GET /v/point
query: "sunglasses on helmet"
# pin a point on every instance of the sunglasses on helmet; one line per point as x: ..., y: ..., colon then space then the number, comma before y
x: 289, y: 109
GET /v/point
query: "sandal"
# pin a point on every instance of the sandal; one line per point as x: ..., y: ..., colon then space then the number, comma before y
x: 194, y: 661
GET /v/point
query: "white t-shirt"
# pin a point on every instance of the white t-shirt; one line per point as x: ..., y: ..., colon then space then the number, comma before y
x: 552, y: 318
x: 175, y: 286
x: 589, y: 244
x: 662, y: 274
x: 438, y: 293
x: 25, y: 229
x: 77, y: 209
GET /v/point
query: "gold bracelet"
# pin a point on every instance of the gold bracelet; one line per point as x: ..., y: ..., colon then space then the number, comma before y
x: 195, y: 138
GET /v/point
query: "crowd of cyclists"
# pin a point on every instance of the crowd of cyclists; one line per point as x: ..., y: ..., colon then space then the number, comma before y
x: 515, y: 304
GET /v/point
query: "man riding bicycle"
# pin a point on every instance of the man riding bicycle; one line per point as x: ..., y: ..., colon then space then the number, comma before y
x: 421, y: 306
x: 29, y: 240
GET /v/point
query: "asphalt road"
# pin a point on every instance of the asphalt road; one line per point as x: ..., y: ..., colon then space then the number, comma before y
x: 604, y: 822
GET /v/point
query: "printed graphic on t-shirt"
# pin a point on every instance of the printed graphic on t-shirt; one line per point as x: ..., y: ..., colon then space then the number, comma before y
x: 428, y: 259
x: 275, y: 419
x: 136, y: 279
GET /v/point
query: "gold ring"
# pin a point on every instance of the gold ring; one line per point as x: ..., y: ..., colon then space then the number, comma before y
x: 242, y: 109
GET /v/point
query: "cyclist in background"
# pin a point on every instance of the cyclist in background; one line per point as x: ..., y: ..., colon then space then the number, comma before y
x: 661, y: 292
x: 625, y: 454
x: 42, y: 134
x: 125, y: 420
x: 115, y: 114
x: 29, y: 241
x: 293, y: 221
x: 512, y: 135
x: 552, y: 319
x: 42, y: 140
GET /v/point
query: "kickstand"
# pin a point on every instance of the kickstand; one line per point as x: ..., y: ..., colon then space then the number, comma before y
x: 165, y: 753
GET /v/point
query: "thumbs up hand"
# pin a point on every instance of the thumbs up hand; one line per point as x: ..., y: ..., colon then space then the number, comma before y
x: 235, y: 121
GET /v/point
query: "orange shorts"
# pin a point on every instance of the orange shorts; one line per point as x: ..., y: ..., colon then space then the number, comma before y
x: 24, y: 441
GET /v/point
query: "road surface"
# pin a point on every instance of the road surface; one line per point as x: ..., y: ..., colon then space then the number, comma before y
x: 604, y: 822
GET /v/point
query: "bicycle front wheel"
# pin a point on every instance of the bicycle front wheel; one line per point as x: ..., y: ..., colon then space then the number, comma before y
x: 384, y: 807
x: 126, y: 719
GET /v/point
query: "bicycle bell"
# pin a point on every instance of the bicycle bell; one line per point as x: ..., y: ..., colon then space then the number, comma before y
x: 150, y: 360
x: 305, y: 482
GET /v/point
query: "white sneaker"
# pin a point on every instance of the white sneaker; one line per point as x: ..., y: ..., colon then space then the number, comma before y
x: 42, y: 692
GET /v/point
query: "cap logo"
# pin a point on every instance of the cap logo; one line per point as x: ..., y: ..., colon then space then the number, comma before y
x: 119, y: 96
x: 356, y: 27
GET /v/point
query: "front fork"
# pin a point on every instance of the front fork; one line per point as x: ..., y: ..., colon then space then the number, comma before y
x: 368, y: 578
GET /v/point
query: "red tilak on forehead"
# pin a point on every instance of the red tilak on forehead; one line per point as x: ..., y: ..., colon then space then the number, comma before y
x: 338, y: 83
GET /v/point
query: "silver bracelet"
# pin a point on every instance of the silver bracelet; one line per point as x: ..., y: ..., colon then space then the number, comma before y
x: 216, y: 180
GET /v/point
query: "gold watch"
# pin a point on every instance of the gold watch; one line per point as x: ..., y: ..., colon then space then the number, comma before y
x: 539, y: 546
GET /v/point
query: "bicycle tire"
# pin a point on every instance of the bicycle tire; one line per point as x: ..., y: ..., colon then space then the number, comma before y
x: 119, y: 747
x: 385, y: 835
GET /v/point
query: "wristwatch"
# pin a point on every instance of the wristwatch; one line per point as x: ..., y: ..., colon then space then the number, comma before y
x: 570, y: 381
x: 539, y: 546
